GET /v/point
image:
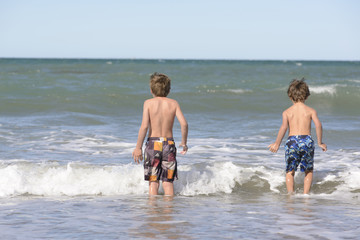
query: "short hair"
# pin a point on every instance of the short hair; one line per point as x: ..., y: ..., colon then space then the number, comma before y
x: 298, y: 90
x: 160, y: 84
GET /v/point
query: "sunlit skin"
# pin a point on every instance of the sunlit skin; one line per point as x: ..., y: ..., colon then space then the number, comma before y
x: 158, y: 118
x: 297, y: 119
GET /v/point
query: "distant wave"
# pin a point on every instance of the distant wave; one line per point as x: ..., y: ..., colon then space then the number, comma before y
x: 236, y: 91
x: 239, y: 91
x: 329, y: 89
x: 355, y: 81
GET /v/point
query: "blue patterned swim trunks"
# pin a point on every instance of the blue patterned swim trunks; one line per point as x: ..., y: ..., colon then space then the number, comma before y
x: 299, y: 150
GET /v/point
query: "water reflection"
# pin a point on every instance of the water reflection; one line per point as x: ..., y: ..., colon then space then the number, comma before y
x: 300, y: 206
x: 160, y: 219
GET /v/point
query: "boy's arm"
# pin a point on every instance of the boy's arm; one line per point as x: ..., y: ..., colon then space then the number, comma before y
x: 184, y: 129
x: 137, y: 153
x: 318, y: 128
x: 274, y: 147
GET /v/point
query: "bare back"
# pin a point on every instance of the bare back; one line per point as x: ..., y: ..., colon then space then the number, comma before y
x: 162, y: 112
x: 299, y: 118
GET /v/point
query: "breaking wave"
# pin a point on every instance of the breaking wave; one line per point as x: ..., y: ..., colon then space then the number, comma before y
x: 74, y: 179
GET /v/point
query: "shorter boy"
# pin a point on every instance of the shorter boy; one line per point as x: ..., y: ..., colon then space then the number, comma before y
x: 160, y: 151
x: 299, y: 147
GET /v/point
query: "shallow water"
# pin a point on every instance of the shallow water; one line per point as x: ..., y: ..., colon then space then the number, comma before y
x: 243, y: 215
x: 68, y: 127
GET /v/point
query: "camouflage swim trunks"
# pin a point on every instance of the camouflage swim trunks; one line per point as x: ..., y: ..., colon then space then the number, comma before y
x: 160, y: 159
x: 299, y: 149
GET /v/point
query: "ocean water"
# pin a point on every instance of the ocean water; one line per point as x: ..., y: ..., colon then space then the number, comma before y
x: 68, y: 128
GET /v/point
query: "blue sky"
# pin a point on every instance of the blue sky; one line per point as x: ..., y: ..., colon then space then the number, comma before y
x: 187, y: 29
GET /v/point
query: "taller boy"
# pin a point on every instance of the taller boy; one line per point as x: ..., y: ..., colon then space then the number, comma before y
x: 299, y: 147
x: 160, y: 151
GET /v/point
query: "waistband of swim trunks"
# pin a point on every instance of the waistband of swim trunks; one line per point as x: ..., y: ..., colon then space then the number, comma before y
x: 162, y: 139
x: 299, y: 136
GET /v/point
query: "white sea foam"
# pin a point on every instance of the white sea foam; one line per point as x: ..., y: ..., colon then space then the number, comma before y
x: 74, y: 179
x: 229, y: 146
x: 217, y: 90
x: 351, y: 179
x: 94, y: 145
x: 328, y: 89
x: 71, y: 180
x: 354, y: 80
x: 222, y: 177
x: 68, y: 145
x: 239, y: 91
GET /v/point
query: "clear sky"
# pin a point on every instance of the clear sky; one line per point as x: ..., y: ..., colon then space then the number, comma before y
x: 183, y: 29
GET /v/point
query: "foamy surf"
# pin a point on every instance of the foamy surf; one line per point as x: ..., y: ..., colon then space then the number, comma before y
x: 73, y: 179
x: 77, y: 179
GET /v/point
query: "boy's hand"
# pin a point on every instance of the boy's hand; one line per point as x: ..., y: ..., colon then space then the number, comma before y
x: 273, y: 147
x: 185, y: 148
x: 323, y: 147
x: 137, y: 155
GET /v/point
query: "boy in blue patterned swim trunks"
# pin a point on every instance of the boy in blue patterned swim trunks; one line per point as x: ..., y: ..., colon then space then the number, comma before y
x: 160, y: 153
x: 299, y: 147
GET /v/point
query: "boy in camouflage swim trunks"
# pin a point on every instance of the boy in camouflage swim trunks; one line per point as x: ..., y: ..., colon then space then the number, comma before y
x: 299, y: 147
x: 160, y: 152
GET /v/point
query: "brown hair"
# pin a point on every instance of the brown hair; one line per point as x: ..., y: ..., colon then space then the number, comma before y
x: 160, y: 84
x: 298, y: 90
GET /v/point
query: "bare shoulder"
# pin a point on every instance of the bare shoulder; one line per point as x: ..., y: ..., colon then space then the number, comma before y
x: 310, y: 109
x: 148, y: 102
x: 288, y: 111
x: 313, y: 113
x: 172, y: 101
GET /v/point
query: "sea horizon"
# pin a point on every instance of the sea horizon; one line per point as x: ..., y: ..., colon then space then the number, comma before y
x: 182, y: 59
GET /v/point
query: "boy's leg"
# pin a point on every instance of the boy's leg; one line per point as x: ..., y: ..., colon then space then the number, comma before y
x: 290, y: 181
x: 168, y: 188
x: 308, y: 181
x: 153, y: 188
x: 169, y: 167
